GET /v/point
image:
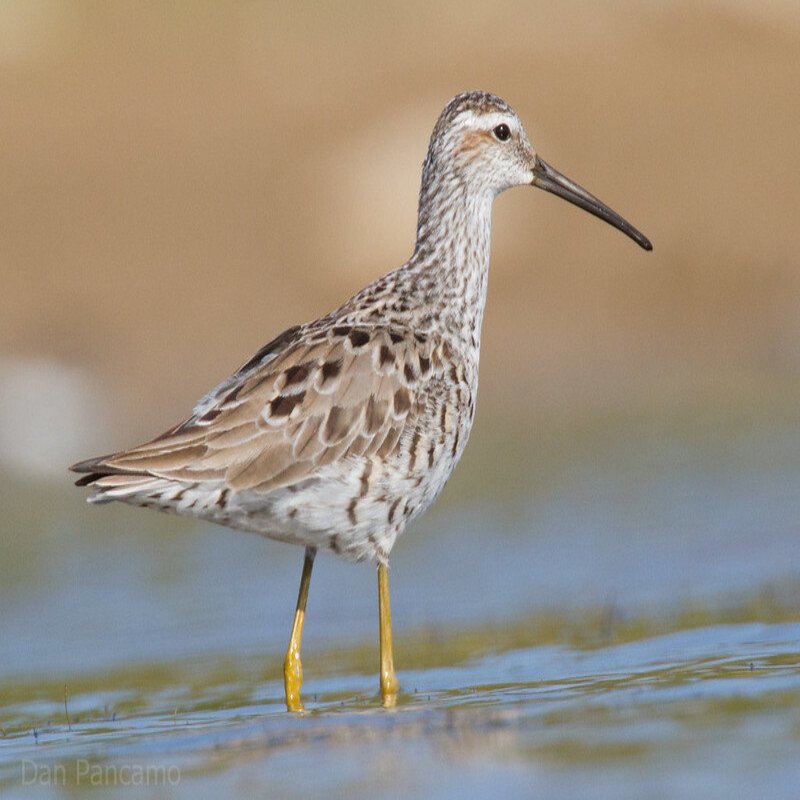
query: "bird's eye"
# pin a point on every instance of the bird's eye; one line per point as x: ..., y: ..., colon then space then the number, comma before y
x: 502, y: 132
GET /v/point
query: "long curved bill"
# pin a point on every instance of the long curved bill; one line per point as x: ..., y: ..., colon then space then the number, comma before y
x: 551, y: 180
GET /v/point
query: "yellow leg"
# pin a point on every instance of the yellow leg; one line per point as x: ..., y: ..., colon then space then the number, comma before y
x: 292, y: 668
x: 389, y: 685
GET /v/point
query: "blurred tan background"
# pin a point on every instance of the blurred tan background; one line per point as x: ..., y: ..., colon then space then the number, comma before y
x: 180, y: 182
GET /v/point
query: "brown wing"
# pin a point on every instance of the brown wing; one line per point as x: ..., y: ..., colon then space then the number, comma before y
x: 273, y: 424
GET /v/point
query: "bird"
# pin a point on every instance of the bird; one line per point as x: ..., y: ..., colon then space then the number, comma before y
x: 339, y: 432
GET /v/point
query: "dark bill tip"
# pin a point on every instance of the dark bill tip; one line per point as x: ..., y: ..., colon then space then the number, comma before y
x: 551, y: 180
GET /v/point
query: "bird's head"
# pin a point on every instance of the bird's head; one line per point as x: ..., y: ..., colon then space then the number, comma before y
x: 480, y: 142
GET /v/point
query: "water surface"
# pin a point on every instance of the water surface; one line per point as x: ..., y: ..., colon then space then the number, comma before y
x: 613, y: 613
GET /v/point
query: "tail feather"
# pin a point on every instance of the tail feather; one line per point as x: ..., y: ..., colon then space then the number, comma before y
x: 110, y: 482
x: 142, y: 488
x: 86, y: 480
x: 97, y: 469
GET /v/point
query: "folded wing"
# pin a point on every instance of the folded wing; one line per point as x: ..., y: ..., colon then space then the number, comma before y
x: 284, y: 415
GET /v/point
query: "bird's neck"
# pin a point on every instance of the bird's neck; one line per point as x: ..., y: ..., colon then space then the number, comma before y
x: 449, y: 270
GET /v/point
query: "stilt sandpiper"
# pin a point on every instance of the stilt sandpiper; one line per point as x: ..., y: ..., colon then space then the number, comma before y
x: 341, y: 431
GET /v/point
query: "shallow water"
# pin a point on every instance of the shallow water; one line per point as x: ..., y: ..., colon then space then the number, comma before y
x: 614, y: 612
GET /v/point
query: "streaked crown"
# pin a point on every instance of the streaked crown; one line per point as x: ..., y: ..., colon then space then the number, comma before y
x: 479, y: 138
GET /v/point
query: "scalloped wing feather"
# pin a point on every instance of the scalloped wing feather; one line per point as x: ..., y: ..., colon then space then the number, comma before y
x: 280, y: 418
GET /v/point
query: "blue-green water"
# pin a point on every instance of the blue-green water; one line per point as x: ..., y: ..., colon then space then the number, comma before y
x: 610, y: 610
